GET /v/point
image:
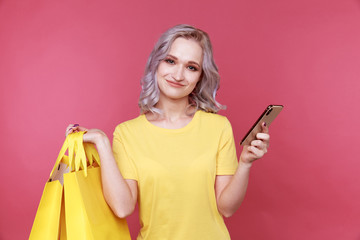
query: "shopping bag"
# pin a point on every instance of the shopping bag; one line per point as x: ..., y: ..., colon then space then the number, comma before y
x: 72, y: 205
x: 46, y: 223
x: 51, y: 207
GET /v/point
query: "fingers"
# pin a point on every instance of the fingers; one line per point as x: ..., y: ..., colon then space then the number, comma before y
x: 259, y: 145
x: 262, y: 141
x: 82, y: 128
x: 259, y: 153
x: 74, y: 128
x: 69, y: 129
x: 263, y: 136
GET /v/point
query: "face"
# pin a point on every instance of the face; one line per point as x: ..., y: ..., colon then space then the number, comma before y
x: 180, y: 71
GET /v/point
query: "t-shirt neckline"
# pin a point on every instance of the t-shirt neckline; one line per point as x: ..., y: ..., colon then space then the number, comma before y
x: 171, y: 130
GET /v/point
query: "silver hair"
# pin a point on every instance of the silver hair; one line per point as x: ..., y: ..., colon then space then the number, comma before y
x: 203, y: 96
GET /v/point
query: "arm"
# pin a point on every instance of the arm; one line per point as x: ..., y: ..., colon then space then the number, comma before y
x: 231, y: 189
x: 120, y: 194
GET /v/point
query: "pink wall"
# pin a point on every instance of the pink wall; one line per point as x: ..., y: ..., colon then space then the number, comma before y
x: 80, y: 61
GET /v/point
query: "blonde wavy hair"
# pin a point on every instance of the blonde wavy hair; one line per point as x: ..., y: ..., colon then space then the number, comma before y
x: 203, y: 96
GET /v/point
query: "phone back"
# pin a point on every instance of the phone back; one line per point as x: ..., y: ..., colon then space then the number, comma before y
x: 268, y: 117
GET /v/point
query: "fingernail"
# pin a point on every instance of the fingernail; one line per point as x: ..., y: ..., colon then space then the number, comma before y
x: 264, y: 124
x: 70, y: 129
x: 76, y: 125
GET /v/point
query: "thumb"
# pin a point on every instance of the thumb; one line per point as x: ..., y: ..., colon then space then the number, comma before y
x: 264, y: 127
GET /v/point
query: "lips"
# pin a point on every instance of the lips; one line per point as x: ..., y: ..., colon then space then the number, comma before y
x: 174, y: 84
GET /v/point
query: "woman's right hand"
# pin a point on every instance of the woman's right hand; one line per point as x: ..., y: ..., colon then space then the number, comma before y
x: 91, y: 135
x: 120, y: 194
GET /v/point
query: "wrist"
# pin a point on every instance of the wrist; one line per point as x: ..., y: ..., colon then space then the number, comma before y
x: 100, y: 139
x: 244, y: 164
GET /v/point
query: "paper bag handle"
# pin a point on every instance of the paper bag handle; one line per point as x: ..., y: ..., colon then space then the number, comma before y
x: 80, y: 150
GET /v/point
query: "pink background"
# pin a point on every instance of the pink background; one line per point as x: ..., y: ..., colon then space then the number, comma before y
x: 81, y: 61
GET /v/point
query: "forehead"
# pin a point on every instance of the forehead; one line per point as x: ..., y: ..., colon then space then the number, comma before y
x: 186, y: 50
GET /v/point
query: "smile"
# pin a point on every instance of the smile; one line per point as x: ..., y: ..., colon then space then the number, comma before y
x: 174, y: 84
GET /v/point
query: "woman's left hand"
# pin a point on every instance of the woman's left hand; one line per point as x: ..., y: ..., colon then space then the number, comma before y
x: 257, y: 147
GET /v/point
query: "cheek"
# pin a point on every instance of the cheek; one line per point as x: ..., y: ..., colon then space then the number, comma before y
x: 160, y: 73
x: 195, y: 79
x: 162, y: 69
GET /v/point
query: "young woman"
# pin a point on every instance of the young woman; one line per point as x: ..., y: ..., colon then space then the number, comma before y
x: 178, y: 158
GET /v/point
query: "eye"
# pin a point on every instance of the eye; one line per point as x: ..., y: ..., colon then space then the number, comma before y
x: 192, y: 68
x: 170, y: 61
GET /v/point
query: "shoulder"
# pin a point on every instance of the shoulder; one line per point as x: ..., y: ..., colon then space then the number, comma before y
x: 130, y: 124
x: 215, y: 124
x: 214, y: 119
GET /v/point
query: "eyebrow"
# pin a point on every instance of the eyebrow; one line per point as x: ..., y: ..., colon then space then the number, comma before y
x: 192, y: 62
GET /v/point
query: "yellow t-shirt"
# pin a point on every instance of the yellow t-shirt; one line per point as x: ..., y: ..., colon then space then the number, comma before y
x: 175, y: 170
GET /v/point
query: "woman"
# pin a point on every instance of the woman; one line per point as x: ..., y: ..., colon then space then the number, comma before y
x: 178, y: 158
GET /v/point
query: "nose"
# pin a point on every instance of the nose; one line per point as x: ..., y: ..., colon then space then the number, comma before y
x: 178, y: 73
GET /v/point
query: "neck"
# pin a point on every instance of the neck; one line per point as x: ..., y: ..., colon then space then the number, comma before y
x: 174, y: 109
x: 175, y: 113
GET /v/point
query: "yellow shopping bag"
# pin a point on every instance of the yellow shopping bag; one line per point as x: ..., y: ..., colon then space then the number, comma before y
x: 72, y: 205
x: 46, y: 223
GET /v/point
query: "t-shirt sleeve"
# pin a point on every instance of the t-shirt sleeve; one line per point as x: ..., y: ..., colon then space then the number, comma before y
x: 226, y: 162
x: 124, y: 162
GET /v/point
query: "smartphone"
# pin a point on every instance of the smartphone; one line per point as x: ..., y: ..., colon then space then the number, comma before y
x: 267, y: 116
